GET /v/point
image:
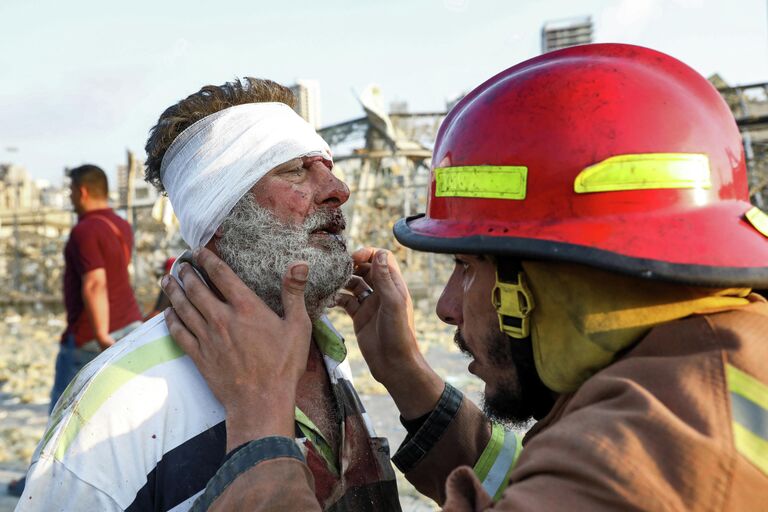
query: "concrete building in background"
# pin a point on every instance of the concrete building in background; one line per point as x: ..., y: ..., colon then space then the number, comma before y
x: 564, y: 33
x: 56, y: 198
x: 749, y: 104
x: 17, y: 190
x: 144, y: 194
x: 307, y: 94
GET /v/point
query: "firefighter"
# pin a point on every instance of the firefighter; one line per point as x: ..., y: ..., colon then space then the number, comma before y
x: 595, y: 200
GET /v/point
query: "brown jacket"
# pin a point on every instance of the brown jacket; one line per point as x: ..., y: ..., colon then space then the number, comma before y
x: 660, y: 429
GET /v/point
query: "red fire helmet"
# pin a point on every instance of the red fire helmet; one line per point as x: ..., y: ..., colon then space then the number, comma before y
x: 609, y: 155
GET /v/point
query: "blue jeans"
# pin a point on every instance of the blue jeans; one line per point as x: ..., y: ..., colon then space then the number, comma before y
x: 69, y: 361
x: 72, y: 359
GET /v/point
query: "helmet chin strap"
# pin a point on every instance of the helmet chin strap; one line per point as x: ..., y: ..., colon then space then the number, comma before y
x: 512, y: 299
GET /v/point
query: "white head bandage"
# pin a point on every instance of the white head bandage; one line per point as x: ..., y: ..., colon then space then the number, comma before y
x: 216, y: 161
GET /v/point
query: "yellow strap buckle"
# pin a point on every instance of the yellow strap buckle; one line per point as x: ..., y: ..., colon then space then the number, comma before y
x: 513, y: 303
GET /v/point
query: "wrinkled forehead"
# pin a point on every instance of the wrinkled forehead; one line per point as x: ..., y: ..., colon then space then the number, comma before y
x: 300, y: 162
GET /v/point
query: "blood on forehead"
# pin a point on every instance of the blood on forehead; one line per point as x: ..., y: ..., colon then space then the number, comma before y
x: 307, y: 161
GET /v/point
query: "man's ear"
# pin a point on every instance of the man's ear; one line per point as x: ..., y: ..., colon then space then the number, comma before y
x: 218, y: 233
x: 85, y: 194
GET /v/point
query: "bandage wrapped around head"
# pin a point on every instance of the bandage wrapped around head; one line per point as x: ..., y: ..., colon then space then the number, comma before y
x: 216, y: 161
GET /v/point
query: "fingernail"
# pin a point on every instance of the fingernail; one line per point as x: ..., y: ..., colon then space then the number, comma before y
x: 382, y: 257
x: 165, y: 281
x: 300, y: 272
x: 183, y: 266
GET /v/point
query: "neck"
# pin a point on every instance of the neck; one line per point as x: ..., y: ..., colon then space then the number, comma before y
x: 95, y: 205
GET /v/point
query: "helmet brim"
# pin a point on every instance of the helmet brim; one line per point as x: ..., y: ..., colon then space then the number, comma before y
x: 422, y: 234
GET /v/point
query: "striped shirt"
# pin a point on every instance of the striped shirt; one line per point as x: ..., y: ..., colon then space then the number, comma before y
x: 139, y: 429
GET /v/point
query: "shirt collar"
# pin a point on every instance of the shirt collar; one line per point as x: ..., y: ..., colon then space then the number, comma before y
x: 328, y: 339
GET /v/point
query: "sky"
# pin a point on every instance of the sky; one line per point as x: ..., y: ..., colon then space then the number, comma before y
x: 83, y: 81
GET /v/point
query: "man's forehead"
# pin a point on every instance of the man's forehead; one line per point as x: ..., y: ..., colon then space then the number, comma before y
x: 293, y: 163
x: 296, y: 163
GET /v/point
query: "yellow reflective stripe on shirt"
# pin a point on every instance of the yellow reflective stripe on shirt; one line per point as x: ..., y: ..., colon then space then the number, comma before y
x: 758, y: 219
x: 491, y: 451
x: 111, y: 378
x: 743, y: 384
x: 498, y: 459
x: 311, y: 432
x: 482, y: 181
x: 749, y: 410
x: 754, y: 448
x: 518, y: 440
x: 645, y: 171
x: 328, y: 340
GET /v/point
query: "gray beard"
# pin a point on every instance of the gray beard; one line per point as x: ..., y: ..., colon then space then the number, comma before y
x: 259, y: 247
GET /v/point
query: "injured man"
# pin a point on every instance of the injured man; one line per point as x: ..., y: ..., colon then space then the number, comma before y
x: 139, y: 429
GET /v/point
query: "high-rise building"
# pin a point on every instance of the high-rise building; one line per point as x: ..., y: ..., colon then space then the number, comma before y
x: 564, y: 33
x: 307, y: 94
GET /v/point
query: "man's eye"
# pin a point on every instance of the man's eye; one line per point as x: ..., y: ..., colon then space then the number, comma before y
x: 298, y: 172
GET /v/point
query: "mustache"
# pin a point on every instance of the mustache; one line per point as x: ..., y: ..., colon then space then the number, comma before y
x: 331, y: 220
x: 461, y: 343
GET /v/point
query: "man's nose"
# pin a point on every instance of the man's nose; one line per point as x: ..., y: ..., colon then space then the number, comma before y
x: 332, y: 191
x: 449, y: 306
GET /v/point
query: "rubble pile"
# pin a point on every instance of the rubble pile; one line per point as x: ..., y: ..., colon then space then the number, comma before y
x: 32, y: 261
x: 431, y: 334
x: 29, y: 351
x: 153, y: 246
x: 29, y: 345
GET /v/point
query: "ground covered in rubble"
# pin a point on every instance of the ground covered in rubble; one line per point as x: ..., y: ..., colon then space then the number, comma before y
x: 29, y: 343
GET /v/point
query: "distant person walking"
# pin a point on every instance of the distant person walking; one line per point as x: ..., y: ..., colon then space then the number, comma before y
x: 98, y: 297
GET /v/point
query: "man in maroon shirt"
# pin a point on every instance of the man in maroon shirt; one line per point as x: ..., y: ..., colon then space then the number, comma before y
x: 98, y: 297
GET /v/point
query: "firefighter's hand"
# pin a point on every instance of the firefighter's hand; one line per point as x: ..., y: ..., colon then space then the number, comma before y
x: 251, y: 358
x: 378, y: 301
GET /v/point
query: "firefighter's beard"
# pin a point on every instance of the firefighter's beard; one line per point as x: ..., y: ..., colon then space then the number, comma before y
x: 259, y: 247
x: 517, y: 394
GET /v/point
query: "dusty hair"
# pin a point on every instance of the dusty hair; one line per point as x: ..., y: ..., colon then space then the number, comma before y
x: 206, y: 101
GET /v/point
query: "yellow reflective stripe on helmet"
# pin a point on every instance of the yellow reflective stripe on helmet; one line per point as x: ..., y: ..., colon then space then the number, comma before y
x: 482, y: 181
x: 758, y: 219
x: 645, y: 171
x: 749, y: 410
